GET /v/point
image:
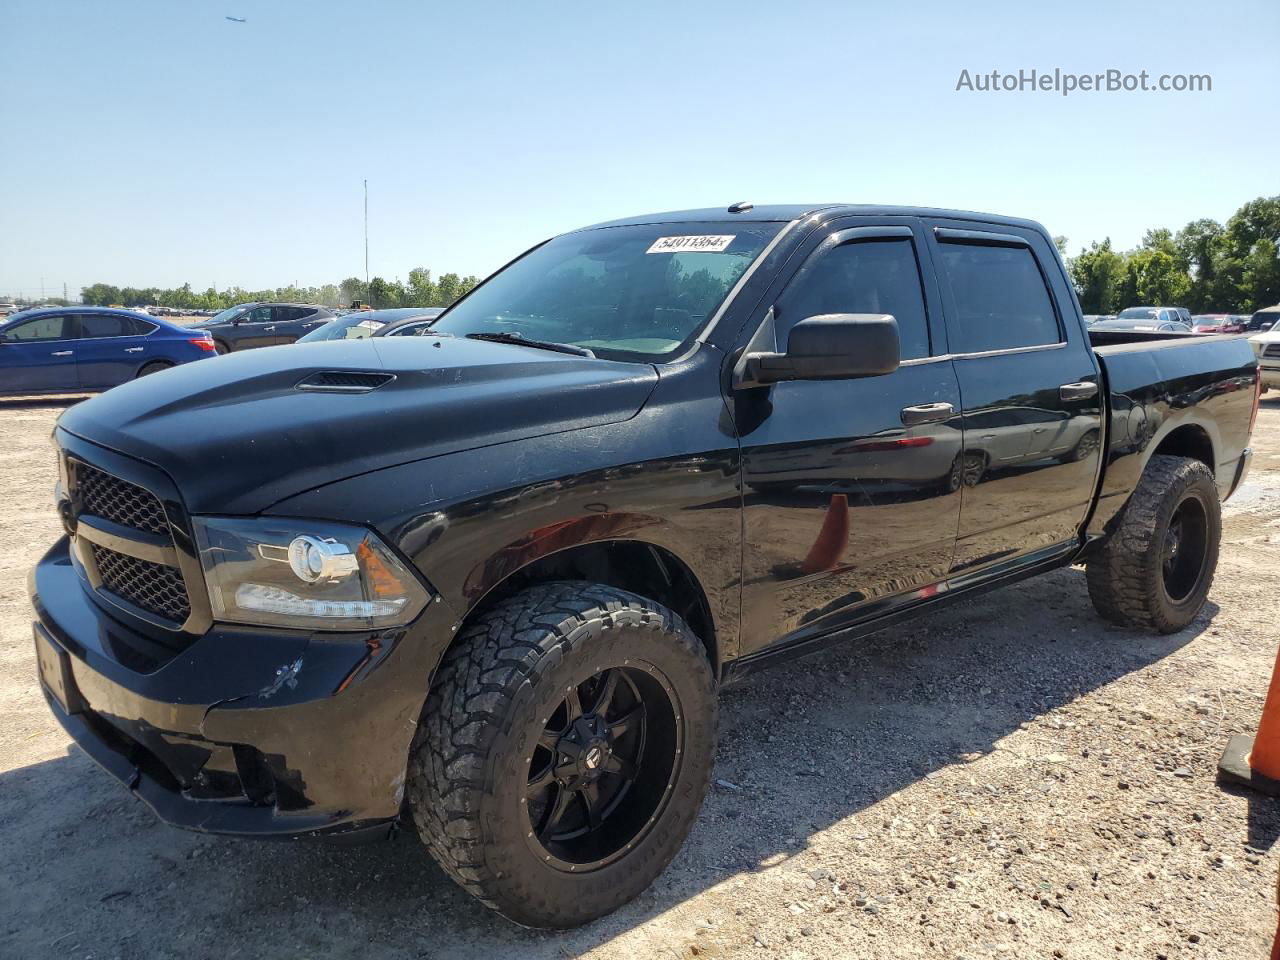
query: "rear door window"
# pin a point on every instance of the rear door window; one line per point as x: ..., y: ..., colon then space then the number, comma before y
x: 1000, y: 300
x: 96, y: 325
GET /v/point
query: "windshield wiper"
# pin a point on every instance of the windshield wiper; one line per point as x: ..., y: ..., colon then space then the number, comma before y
x: 498, y: 336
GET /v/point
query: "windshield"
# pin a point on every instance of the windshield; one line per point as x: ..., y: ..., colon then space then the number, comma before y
x: 224, y: 316
x: 354, y: 326
x: 633, y: 292
x: 1138, y: 313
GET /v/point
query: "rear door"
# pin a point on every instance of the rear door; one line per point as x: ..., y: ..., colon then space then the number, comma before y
x: 851, y: 487
x: 290, y: 323
x: 1022, y: 361
x: 111, y: 348
x: 39, y: 356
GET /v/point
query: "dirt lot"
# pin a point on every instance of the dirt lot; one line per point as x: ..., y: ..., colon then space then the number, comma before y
x: 1007, y: 778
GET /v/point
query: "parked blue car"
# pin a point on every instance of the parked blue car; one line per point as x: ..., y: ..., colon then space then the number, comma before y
x: 86, y: 349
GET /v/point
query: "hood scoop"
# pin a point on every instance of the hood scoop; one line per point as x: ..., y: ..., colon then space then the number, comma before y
x: 344, y: 381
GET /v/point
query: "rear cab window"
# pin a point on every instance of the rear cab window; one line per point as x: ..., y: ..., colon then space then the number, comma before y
x: 1001, y: 298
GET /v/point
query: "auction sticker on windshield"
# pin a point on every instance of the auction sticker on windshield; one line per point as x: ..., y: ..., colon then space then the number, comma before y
x: 701, y: 243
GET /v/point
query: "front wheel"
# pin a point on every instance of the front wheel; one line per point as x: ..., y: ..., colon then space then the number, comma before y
x: 564, y: 751
x: 1157, y: 565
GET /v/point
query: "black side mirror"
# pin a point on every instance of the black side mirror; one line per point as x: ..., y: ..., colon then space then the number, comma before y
x: 832, y: 346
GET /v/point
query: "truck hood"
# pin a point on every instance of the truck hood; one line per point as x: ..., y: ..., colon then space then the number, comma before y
x: 237, y: 434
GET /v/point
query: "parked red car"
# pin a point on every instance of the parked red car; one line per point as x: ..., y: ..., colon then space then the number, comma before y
x: 1218, y: 323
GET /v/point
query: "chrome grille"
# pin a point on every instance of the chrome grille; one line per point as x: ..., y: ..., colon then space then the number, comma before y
x: 154, y: 587
x: 119, y: 501
x: 1272, y: 351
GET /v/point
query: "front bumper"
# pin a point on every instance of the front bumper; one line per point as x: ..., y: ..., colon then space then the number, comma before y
x: 248, y: 731
x: 1270, y: 376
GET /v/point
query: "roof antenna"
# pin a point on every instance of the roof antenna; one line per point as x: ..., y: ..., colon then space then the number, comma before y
x: 742, y: 206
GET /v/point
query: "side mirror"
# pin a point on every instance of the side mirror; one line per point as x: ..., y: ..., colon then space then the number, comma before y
x: 831, y: 346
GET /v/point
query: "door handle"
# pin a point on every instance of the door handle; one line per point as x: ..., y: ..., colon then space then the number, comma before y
x: 133, y: 349
x: 1077, y: 391
x: 926, y: 413
x: 272, y: 327
x: 61, y: 353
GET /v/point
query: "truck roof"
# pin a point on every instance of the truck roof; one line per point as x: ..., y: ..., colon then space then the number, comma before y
x: 795, y: 211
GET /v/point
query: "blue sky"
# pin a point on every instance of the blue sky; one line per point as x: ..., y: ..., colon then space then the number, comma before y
x: 154, y: 142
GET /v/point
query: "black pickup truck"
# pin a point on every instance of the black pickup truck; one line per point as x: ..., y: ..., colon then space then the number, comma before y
x: 490, y: 579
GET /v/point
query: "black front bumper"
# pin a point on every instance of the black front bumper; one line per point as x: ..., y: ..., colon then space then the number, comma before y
x: 256, y: 732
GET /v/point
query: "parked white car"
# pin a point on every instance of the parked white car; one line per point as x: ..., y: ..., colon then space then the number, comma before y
x: 1266, y: 347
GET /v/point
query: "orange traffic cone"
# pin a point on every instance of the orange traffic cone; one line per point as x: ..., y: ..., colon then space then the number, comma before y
x: 832, y: 538
x: 1255, y: 761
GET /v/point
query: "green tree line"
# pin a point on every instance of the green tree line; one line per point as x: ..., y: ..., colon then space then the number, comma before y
x: 1207, y: 267
x: 422, y: 290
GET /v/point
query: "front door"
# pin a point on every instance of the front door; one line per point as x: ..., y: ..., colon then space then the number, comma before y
x: 851, y: 489
x: 39, y: 356
x: 256, y: 328
x: 1032, y: 415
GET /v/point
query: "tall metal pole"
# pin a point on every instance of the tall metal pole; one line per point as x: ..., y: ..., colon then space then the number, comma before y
x: 366, y: 238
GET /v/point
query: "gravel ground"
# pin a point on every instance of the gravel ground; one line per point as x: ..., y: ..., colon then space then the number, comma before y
x: 1010, y: 777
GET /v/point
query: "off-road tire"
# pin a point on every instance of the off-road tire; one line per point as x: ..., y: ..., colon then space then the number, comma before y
x: 507, y: 670
x: 1126, y: 579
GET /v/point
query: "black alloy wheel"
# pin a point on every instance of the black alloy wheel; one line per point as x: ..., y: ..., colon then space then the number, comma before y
x: 1185, y: 552
x: 603, y: 767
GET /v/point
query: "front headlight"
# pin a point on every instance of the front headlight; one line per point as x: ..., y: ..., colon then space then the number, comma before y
x: 304, y: 573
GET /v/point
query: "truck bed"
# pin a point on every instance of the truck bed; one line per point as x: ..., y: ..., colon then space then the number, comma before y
x: 1107, y: 338
x: 1175, y: 392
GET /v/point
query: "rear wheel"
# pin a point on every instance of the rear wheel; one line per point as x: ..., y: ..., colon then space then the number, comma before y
x: 1156, y: 567
x: 221, y: 346
x: 966, y: 470
x: 564, y: 751
x: 154, y: 367
x: 1085, y: 447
